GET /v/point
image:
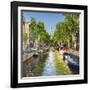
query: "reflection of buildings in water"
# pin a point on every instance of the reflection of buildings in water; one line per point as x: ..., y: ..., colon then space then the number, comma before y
x: 34, y: 66
x: 29, y: 66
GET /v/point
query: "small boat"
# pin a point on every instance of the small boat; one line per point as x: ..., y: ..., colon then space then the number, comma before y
x: 72, y: 60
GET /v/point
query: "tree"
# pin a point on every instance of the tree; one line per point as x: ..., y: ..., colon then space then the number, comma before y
x: 43, y: 36
x: 38, y: 33
x: 32, y: 31
x: 72, y: 23
x: 66, y: 30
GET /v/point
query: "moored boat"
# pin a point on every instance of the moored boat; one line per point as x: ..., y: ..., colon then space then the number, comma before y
x: 72, y: 60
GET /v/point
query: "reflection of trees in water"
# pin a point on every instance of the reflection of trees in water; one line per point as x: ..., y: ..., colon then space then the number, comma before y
x: 34, y: 66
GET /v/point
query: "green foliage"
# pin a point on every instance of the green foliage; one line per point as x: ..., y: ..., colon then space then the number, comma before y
x: 61, y: 67
x: 38, y: 32
x: 64, y: 30
x: 43, y: 36
x: 33, y: 29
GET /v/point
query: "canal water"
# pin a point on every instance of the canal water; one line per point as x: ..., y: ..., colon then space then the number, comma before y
x: 34, y: 66
x: 41, y: 65
x: 49, y: 68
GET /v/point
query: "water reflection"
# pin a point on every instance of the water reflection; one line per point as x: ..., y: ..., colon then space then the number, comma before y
x: 43, y: 65
x: 34, y: 66
x: 49, y: 68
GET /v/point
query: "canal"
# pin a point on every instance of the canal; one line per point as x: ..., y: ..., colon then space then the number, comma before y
x: 45, y: 64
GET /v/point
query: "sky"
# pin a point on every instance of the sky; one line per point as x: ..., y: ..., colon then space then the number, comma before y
x: 50, y: 19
